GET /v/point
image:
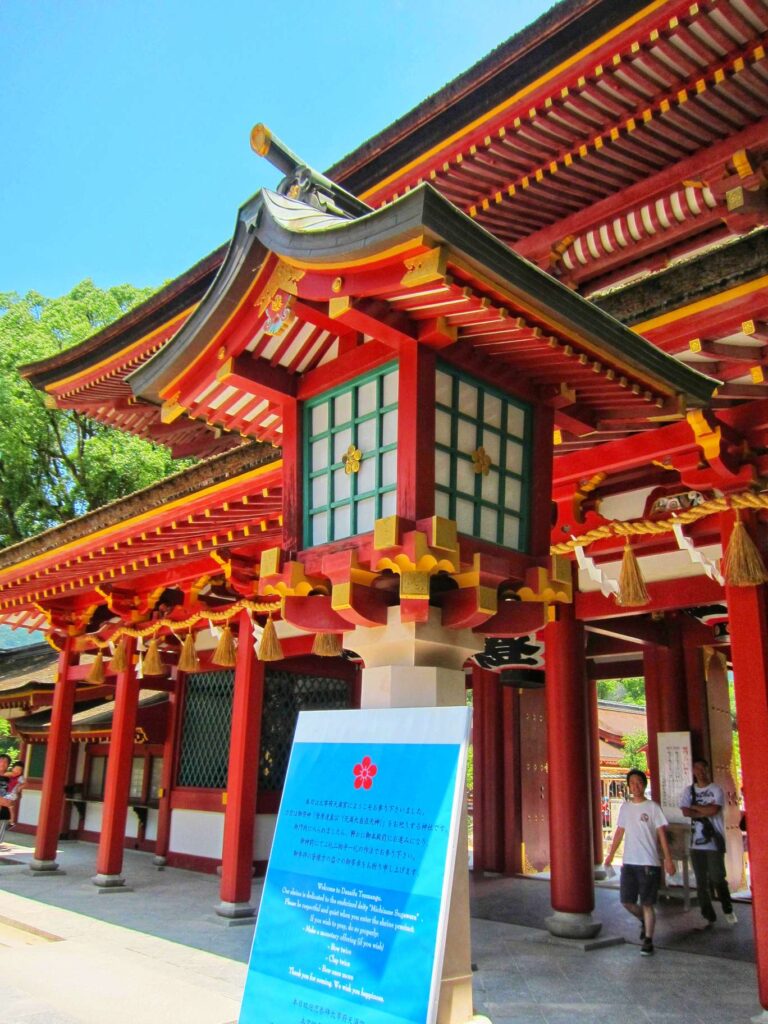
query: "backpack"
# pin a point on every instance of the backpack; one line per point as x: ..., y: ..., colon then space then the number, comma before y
x: 708, y: 831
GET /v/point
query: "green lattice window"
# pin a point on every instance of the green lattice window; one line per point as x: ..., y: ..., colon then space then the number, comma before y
x: 360, y: 416
x: 205, y: 730
x: 285, y: 695
x: 480, y: 428
x: 36, y: 764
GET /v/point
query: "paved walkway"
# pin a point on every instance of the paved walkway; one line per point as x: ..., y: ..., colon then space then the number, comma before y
x: 73, y: 956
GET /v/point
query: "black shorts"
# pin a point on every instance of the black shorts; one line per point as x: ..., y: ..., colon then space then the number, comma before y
x: 640, y: 880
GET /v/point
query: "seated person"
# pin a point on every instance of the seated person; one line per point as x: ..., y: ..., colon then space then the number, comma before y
x: 14, y: 783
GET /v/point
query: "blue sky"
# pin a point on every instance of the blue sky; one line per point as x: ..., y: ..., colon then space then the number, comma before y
x: 125, y: 123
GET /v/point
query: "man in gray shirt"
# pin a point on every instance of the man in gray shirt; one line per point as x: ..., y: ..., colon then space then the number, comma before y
x: 703, y: 802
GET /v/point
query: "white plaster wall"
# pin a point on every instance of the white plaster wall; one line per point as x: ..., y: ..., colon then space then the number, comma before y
x: 264, y: 833
x: 93, y: 815
x: 629, y: 505
x: 199, y: 833
x: 150, y: 833
x: 29, y: 808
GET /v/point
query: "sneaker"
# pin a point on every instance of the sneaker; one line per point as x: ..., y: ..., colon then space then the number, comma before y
x: 731, y: 918
x: 647, y: 948
x: 704, y: 924
x: 642, y: 932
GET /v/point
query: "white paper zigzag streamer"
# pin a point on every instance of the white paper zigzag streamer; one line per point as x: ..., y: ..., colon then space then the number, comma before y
x: 595, y: 573
x: 686, y: 544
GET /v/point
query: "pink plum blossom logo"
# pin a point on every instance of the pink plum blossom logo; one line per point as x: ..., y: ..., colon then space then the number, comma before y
x: 364, y: 773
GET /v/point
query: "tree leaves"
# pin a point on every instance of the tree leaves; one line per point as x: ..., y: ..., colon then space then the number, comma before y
x: 55, y: 465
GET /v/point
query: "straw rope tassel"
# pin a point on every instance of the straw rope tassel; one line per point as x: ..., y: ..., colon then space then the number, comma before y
x: 269, y: 648
x: 119, y: 662
x: 188, y: 659
x: 226, y: 651
x: 742, y: 564
x: 327, y: 645
x: 153, y: 663
x: 96, y: 674
x: 632, y: 592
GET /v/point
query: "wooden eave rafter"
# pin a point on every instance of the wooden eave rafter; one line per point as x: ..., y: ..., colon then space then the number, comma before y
x: 92, y: 723
x: 674, y: 203
x: 667, y: 84
x: 243, y: 513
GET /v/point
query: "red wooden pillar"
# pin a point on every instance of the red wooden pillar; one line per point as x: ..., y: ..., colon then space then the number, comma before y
x: 594, y: 774
x: 673, y: 697
x: 242, y: 778
x: 55, y: 774
x: 292, y: 462
x: 109, y: 860
x: 570, y: 794
x: 513, y: 832
x: 748, y: 624
x: 416, y: 432
x: 696, y: 692
x: 162, y: 841
x: 653, y: 684
x: 488, y: 795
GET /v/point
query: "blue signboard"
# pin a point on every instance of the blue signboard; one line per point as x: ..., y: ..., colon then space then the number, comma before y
x: 352, y: 920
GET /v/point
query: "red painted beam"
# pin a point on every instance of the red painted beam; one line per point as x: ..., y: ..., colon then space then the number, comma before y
x: 258, y: 377
x: 637, y: 629
x: 665, y: 595
x: 703, y: 165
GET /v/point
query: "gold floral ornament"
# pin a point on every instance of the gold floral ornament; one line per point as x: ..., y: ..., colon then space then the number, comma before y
x: 482, y: 461
x: 352, y: 459
x: 279, y: 315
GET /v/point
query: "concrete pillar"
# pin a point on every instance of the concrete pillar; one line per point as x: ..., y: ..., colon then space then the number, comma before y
x: 420, y: 664
x: 570, y: 795
x: 242, y: 779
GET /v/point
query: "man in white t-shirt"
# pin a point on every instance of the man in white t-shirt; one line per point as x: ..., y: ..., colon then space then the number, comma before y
x: 703, y: 804
x: 642, y: 826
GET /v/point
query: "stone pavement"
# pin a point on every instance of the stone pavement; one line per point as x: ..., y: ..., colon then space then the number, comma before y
x: 71, y: 955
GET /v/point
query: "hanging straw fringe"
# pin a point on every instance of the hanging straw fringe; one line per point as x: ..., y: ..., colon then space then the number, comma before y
x: 153, y: 663
x: 743, y: 565
x: 327, y: 645
x: 188, y: 659
x: 269, y: 648
x: 226, y: 651
x: 632, y: 592
x: 96, y: 675
x: 119, y: 662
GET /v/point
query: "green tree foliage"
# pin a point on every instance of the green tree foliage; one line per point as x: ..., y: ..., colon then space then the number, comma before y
x: 634, y: 755
x: 8, y: 744
x: 54, y: 464
x: 630, y: 690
